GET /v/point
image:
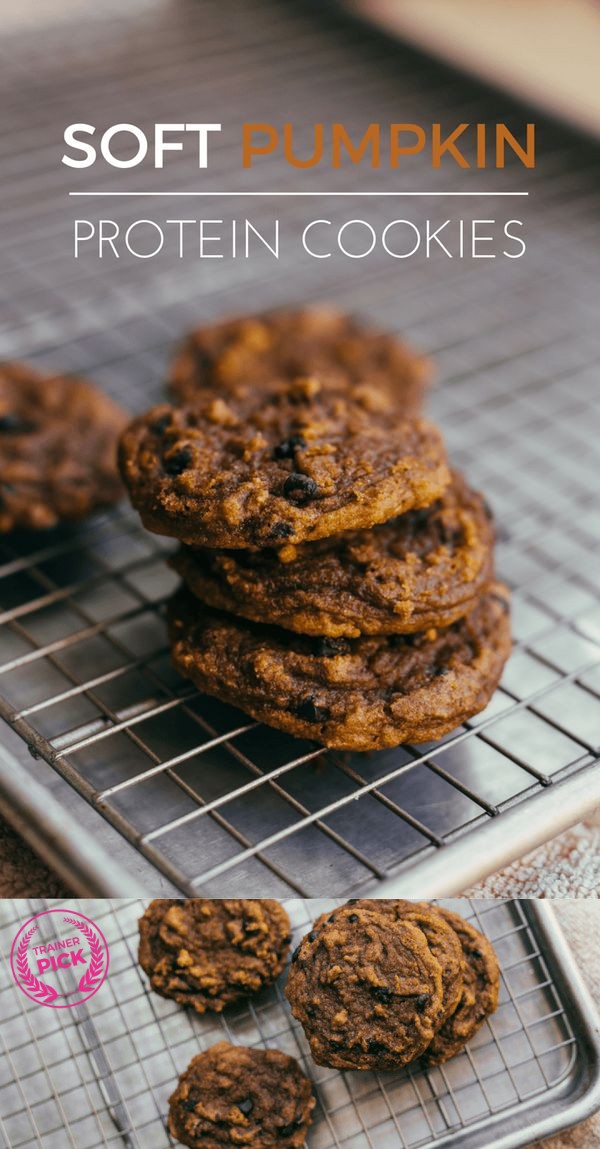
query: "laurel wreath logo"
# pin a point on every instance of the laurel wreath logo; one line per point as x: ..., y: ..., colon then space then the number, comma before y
x: 88, y: 981
x: 37, y: 989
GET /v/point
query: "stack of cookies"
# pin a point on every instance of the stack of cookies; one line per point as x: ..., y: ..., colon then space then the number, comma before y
x: 338, y: 575
x: 377, y: 984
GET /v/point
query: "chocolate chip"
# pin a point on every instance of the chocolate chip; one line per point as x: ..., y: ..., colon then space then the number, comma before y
x: 336, y: 1044
x: 11, y: 424
x: 352, y: 917
x: 332, y: 918
x: 329, y: 647
x: 295, y: 955
x: 311, y: 712
x: 313, y: 935
x: 311, y: 1011
x: 189, y: 1104
x: 352, y: 902
x: 441, y: 671
x: 299, y: 488
x: 382, y: 993
x: 179, y: 461
x: 246, y: 1106
x: 422, y: 1002
x: 204, y: 361
x: 159, y: 425
x: 286, y: 449
x: 286, y: 1130
x: 420, y: 518
x: 281, y: 531
x: 286, y: 940
x: 374, y: 1046
x: 398, y: 641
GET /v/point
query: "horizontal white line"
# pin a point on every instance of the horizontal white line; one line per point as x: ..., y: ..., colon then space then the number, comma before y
x: 298, y: 193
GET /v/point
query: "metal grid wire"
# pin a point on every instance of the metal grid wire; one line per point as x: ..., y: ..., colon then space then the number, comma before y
x: 216, y: 802
x: 101, y: 1074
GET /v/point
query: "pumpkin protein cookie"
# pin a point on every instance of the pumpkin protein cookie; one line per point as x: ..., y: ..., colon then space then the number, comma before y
x: 441, y: 938
x: 298, y: 464
x: 232, y: 1095
x: 242, y: 354
x: 425, y: 568
x: 351, y: 694
x: 479, y: 997
x: 366, y: 989
x: 208, y: 953
x: 58, y: 446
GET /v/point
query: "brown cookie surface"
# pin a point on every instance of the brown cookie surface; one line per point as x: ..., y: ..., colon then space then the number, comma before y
x: 366, y: 989
x: 246, y: 353
x: 422, y: 569
x: 232, y: 1095
x: 208, y: 953
x: 299, y: 463
x: 58, y: 446
x: 353, y: 694
x: 442, y: 940
x: 479, y: 997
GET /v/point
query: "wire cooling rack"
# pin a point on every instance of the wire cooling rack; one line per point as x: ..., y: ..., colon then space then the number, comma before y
x: 100, y: 1075
x: 214, y: 802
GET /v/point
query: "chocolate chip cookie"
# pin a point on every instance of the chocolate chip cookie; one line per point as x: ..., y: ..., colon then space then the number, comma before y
x: 366, y: 989
x: 208, y: 953
x: 299, y: 463
x: 425, y: 568
x: 442, y: 940
x: 352, y: 694
x: 479, y: 997
x: 242, y: 354
x: 231, y: 1095
x: 58, y: 441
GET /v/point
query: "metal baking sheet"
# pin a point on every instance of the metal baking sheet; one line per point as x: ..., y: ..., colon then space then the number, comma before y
x: 211, y: 802
x: 100, y: 1075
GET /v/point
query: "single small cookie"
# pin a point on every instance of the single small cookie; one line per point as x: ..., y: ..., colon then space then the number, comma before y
x: 425, y: 568
x: 352, y: 694
x: 247, y: 353
x: 479, y: 998
x: 441, y: 939
x: 58, y: 449
x: 232, y: 1095
x: 299, y: 463
x: 366, y: 989
x: 208, y: 953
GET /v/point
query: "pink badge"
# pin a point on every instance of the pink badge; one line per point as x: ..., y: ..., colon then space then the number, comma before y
x: 59, y: 958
